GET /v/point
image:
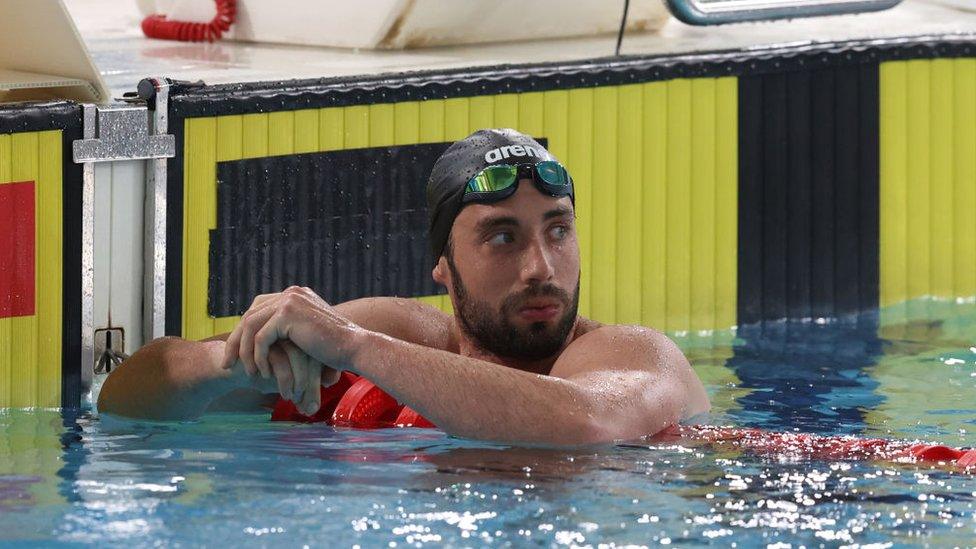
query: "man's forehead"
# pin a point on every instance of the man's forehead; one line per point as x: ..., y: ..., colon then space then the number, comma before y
x: 517, y: 208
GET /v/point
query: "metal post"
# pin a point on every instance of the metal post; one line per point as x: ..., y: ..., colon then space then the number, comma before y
x: 154, y: 303
x: 90, y: 113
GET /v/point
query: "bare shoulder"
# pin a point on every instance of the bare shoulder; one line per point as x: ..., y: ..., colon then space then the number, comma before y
x: 402, y: 318
x: 619, y: 347
x: 641, y: 360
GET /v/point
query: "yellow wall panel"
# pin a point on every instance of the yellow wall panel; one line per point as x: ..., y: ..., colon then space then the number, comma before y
x: 481, y: 114
x: 702, y: 212
x: 919, y: 170
x: 432, y: 126
x: 23, y: 386
x: 964, y: 178
x: 48, y: 271
x: 555, y: 121
x: 356, y: 122
x: 332, y: 129
x: 506, y: 113
x: 30, y: 346
x: 654, y: 206
x: 456, y: 119
x: 579, y: 161
x: 928, y: 180
x: 726, y: 202
x: 200, y: 213
x: 628, y: 275
x: 306, y: 131
x: 603, y: 200
x: 532, y: 113
x: 893, y: 144
x: 381, y: 128
x: 255, y: 135
x: 281, y: 133
x: 678, y: 212
x: 406, y: 123
x: 230, y: 138
x: 941, y: 177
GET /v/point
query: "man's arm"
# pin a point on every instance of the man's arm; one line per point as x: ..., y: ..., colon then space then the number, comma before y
x: 614, y: 383
x: 173, y: 378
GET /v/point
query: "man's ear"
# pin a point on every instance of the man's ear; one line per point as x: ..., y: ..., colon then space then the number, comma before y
x: 440, y: 272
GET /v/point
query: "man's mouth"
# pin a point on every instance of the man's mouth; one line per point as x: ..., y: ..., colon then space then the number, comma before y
x: 539, y: 310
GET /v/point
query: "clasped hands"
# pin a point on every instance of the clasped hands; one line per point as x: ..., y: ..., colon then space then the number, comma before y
x: 296, y: 338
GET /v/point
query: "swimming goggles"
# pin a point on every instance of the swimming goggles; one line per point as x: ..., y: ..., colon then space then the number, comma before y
x: 500, y: 181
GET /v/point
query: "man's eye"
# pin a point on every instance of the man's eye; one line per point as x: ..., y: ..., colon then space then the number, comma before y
x: 501, y: 238
x: 559, y: 232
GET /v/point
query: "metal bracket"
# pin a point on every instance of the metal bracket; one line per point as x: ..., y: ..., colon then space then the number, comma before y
x: 720, y: 12
x: 122, y: 133
x: 110, y: 349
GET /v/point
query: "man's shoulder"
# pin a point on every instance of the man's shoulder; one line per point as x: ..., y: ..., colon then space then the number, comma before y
x: 618, y: 334
x: 621, y: 345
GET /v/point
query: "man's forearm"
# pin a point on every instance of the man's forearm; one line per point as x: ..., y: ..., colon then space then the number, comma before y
x: 473, y: 398
x: 170, y: 378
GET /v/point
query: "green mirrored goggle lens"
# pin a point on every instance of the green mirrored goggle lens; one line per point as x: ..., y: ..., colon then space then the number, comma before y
x: 552, y: 173
x: 493, y: 178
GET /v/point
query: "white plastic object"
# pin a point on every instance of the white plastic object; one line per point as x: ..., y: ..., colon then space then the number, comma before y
x: 43, y: 57
x: 400, y: 24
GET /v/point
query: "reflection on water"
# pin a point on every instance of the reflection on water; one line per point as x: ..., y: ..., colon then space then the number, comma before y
x: 237, y: 479
x: 808, y: 375
x: 927, y: 376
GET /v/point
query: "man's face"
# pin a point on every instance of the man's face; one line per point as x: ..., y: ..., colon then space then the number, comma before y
x: 512, y: 269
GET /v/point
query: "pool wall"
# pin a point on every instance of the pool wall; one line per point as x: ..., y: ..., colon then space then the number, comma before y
x: 40, y: 256
x: 714, y: 190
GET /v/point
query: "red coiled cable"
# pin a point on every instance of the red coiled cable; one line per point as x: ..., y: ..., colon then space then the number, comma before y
x: 158, y: 26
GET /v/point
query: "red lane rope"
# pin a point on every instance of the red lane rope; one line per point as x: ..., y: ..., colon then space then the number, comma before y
x: 356, y: 402
x: 158, y: 26
x: 821, y: 447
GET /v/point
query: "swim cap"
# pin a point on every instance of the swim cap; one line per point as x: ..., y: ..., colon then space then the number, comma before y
x: 462, y: 161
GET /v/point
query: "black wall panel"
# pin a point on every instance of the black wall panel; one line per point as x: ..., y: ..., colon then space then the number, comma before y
x: 808, y: 193
x: 348, y: 224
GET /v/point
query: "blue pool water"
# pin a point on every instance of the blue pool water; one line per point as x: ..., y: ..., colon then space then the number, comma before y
x: 907, y: 372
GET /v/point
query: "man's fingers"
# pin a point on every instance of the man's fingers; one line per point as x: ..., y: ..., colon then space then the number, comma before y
x: 241, y: 336
x: 299, y: 367
x: 312, y: 400
x: 282, y: 372
x: 232, y: 350
x: 258, y: 300
x: 264, y: 338
x: 252, y: 323
x: 330, y: 376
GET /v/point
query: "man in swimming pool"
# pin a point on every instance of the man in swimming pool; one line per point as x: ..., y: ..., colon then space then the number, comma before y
x: 514, y: 363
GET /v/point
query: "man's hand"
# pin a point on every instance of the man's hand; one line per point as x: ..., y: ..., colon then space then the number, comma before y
x: 291, y: 335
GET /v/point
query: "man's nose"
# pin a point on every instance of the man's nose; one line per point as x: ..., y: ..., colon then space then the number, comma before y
x: 537, y: 262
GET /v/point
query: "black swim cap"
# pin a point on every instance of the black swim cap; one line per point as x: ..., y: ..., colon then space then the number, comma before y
x: 460, y: 162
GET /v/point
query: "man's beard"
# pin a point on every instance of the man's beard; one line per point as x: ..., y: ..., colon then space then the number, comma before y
x: 495, y: 333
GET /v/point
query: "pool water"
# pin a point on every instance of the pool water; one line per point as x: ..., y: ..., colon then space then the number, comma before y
x: 905, y: 372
